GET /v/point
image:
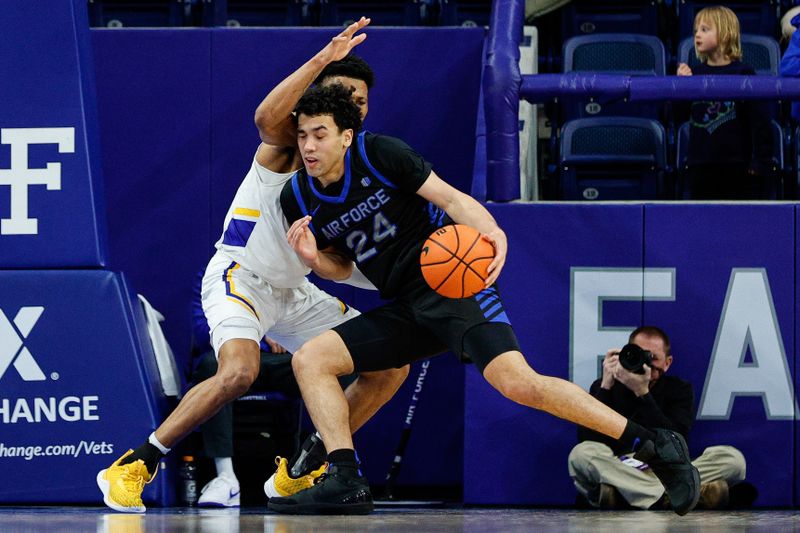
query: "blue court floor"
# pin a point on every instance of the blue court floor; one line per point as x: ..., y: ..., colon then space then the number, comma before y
x: 406, y: 519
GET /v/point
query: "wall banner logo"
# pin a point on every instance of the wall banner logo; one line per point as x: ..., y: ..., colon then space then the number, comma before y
x: 19, y: 177
x: 12, y: 350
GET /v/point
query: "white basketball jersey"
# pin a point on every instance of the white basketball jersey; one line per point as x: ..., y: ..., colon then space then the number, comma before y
x: 255, y: 230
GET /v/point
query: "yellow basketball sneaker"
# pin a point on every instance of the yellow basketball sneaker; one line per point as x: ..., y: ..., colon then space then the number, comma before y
x: 122, y: 485
x: 281, y: 484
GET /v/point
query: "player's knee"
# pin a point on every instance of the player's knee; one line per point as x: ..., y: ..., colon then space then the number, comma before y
x: 235, y: 380
x: 521, y: 391
x: 320, y: 356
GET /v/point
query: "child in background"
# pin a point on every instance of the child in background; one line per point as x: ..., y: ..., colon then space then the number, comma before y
x: 722, y: 161
x: 790, y: 63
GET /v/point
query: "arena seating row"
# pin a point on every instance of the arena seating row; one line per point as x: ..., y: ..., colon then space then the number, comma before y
x: 165, y: 13
x: 629, y: 158
x: 669, y: 20
x: 617, y: 150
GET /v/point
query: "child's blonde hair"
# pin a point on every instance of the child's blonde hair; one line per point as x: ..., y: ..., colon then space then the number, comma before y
x: 729, y: 37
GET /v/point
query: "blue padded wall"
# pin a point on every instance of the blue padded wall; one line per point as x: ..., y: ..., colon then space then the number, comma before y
x: 79, y: 384
x: 51, y: 198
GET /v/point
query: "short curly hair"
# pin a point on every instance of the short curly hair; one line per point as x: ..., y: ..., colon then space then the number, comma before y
x: 332, y: 100
x: 351, y: 66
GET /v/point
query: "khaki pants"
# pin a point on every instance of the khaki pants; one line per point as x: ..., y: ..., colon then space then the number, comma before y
x: 592, y: 463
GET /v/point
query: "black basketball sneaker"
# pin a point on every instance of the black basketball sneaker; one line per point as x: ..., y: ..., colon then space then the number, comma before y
x: 669, y: 459
x: 340, y: 490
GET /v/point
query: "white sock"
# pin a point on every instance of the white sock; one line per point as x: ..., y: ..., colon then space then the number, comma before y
x: 154, y: 441
x: 225, y: 468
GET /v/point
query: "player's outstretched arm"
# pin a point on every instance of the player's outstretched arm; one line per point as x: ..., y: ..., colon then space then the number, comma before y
x: 274, y: 114
x: 327, y: 264
x: 464, y: 209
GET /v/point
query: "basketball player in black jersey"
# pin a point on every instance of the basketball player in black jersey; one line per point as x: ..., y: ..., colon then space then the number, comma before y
x: 371, y: 200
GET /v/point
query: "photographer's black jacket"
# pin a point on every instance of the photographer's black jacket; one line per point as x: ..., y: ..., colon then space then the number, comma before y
x: 670, y: 405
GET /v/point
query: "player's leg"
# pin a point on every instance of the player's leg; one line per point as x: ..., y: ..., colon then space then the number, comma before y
x: 122, y: 483
x: 510, y: 374
x: 382, y: 338
x: 238, y: 368
x: 317, y: 312
x: 479, y: 327
x: 311, y: 315
x: 370, y: 391
x: 233, y: 308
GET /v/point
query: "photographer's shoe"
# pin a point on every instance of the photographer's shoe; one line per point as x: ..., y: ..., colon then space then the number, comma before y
x: 340, y: 490
x: 714, y: 495
x: 609, y: 497
x: 669, y: 459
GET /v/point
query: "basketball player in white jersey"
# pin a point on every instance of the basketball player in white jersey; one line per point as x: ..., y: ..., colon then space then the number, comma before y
x: 254, y: 284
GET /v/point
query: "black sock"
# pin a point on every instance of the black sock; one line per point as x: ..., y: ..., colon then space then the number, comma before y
x: 343, y: 457
x: 147, y: 453
x: 634, y: 435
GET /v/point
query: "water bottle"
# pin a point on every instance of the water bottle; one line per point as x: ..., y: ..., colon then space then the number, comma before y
x: 188, y: 475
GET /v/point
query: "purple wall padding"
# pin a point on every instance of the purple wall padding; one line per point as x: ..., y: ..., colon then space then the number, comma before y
x: 501, y: 81
x: 545, y: 87
x: 57, y: 221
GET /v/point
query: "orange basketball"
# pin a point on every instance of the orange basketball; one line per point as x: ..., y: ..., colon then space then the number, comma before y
x: 454, y: 260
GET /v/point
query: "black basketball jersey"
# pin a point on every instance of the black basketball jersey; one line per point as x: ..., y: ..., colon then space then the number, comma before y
x: 373, y: 214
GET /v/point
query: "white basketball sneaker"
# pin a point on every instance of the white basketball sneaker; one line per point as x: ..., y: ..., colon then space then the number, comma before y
x: 219, y: 492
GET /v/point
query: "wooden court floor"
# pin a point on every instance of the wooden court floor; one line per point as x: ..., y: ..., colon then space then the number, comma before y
x: 406, y: 519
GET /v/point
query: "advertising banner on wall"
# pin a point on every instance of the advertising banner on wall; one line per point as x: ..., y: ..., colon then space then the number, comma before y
x: 720, y: 280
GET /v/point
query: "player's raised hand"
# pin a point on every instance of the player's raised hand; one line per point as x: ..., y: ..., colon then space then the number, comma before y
x: 303, y: 242
x: 341, y: 45
x: 497, y: 238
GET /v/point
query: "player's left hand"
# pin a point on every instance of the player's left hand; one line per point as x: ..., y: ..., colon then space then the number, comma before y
x: 496, y: 238
x: 303, y: 242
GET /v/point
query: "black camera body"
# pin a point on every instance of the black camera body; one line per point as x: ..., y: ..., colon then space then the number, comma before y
x: 633, y: 358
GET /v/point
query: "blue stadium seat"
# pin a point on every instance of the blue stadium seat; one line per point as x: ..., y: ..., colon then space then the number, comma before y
x: 389, y: 13
x: 584, y: 17
x: 760, y: 52
x: 145, y: 13
x: 773, y: 187
x: 465, y: 12
x: 759, y: 17
x: 613, y: 158
x: 614, y: 53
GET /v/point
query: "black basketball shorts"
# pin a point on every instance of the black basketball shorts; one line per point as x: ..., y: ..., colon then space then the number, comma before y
x: 420, y: 323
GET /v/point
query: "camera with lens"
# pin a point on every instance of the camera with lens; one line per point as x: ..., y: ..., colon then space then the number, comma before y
x: 633, y: 358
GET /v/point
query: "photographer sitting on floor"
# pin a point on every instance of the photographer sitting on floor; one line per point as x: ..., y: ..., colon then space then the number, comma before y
x: 635, y: 385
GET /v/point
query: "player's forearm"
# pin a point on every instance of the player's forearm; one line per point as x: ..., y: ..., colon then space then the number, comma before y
x: 331, y: 266
x: 274, y: 114
x: 464, y: 209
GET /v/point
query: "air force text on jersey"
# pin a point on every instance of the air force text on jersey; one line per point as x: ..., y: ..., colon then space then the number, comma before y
x: 363, y: 210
